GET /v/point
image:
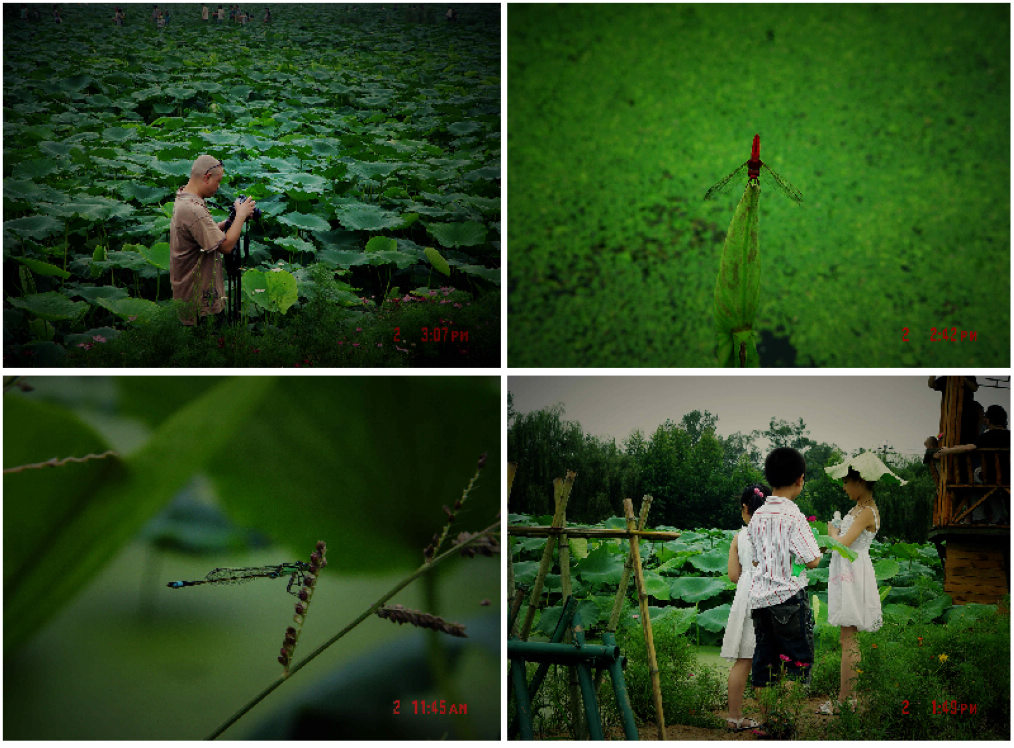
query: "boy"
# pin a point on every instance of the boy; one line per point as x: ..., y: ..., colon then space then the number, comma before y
x: 782, y: 621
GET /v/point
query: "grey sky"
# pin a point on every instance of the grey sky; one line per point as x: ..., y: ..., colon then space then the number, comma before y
x: 854, y: 412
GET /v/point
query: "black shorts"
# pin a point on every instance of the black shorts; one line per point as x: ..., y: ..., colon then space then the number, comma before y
x: 784, y: 634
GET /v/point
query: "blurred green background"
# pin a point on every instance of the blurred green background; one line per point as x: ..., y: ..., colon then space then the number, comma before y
x: 892, y: 120
x: 244, y: 471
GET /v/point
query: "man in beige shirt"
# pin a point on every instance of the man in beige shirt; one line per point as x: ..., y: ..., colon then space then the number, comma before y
x: 196, y: 243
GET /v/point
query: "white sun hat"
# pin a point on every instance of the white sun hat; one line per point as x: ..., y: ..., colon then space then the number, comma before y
x: 868, y: 465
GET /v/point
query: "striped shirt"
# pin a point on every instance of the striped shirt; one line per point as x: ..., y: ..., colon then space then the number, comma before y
x: 777, y: 530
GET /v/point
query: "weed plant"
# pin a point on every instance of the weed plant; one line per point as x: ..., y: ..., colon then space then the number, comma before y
x: 692, y: 693
x: 318, y: 333
x: 914, y: 680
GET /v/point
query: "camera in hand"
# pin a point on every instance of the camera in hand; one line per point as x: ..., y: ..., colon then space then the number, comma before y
x: 232, y: 213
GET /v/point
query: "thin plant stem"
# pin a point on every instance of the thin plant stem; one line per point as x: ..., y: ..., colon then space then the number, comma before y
x: 362, y: 617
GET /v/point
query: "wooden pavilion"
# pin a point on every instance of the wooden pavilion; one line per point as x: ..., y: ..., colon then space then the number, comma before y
x: 971, y: 512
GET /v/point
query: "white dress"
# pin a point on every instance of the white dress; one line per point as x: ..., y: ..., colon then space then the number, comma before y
x: 852, y: 595
x: 739, y: 638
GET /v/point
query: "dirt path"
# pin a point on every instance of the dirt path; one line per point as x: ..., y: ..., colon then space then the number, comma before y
x: 686, y: 732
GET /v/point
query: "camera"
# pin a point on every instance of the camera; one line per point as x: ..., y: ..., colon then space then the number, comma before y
x: 232, y: 213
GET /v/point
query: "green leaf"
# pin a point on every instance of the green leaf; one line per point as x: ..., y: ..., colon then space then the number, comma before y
x: 826, y: 541
x: 600, y: 567
x: 381, y: 244
x: 695, y: 589
x: 130, y: 309
x: 656, y: 585
x: 50, y: 306
x: 466, y: 234
x: 715, y: 619
x: 93, y: 293
x: 676, y: 620
x: 933, y: 609
x: 43, y: 268
x: 716, y: 561
x: 364, y: 217
x: 157, y: 255
x: 737, y: 289
x: 295, y: 244
x: 437, y: 261
x: 275, y: 290
x: 896, y: 613
x: 307, y: 221
x: 33, y: 227
x: 886, y: 568
x: 489, y: 274
x: 463, y: 128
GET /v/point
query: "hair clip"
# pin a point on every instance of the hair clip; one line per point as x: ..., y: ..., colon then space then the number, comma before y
x: 758, y: 492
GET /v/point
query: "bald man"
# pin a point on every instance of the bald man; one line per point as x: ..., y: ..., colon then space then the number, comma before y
x: 197, y: 243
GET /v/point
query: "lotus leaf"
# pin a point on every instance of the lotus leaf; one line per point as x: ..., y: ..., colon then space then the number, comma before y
x: 157, y: 255
x: 364, y: 217
x: 130, y: 309
x: 695, y: 589
x: 92, y: 294
x: 466, y: 234
x: 679, y: 620
x: 928, y: 611
x: 715, y: 619
x: 43, y: 268
x: 50, y: 306
x: 437, y: 261
x: 295, y: 244
x: 275, y: 290
x: 656, y: 585
x: 896, y: 613
x: 600, y: 567
x: 381, y: 244
x: 886, y: 568
x: 33, y: 227
x: 716, y: 561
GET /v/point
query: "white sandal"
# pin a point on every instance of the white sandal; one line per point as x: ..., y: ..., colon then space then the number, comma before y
x: 741, y: 724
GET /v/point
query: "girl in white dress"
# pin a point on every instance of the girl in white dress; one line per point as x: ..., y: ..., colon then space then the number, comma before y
x: 853, y: 601
x: 739, y: 642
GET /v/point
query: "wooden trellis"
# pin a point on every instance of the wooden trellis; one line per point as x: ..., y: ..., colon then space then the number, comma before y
x: 558, y: 532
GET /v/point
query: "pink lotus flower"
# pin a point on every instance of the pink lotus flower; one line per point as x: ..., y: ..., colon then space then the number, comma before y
x: 785, y: 658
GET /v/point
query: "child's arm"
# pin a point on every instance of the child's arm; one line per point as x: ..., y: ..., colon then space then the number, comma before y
x: 859, y: 524
x: 953, y: 450
x: 734, y: 568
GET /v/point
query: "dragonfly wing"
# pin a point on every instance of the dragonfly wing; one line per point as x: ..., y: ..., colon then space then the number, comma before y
x: 787, y: 188
x: 720, y: 187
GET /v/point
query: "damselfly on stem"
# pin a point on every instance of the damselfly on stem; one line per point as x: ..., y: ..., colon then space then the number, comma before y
x: 753, y: 167
x: 246, y: 573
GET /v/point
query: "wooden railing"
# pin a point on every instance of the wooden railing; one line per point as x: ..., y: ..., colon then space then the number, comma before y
x: 969, y: 480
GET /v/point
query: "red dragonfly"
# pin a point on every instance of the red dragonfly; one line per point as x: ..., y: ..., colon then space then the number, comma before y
x: 753, y: 167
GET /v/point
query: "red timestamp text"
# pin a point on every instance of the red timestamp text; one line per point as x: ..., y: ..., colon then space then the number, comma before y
x: 427, y: 708
x: 945, y: 334
x: 436, y: 335
x: 952, y: 707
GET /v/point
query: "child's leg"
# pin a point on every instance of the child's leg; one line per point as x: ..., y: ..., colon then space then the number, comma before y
x: 737, y: 685
x: 849, y: 661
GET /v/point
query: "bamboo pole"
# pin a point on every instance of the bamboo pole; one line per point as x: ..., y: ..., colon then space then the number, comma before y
x: 513, y: 599
x: 539, y: 531
x: 628, y: 567
x: 580, y: 724
x: 642, y: 597
x: 561, y: 496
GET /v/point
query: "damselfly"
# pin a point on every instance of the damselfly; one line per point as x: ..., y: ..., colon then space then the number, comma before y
x: 246, y: 573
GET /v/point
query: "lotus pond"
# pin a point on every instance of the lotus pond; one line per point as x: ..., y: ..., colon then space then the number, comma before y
x: 369, y: 136
x: 929, y: 655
